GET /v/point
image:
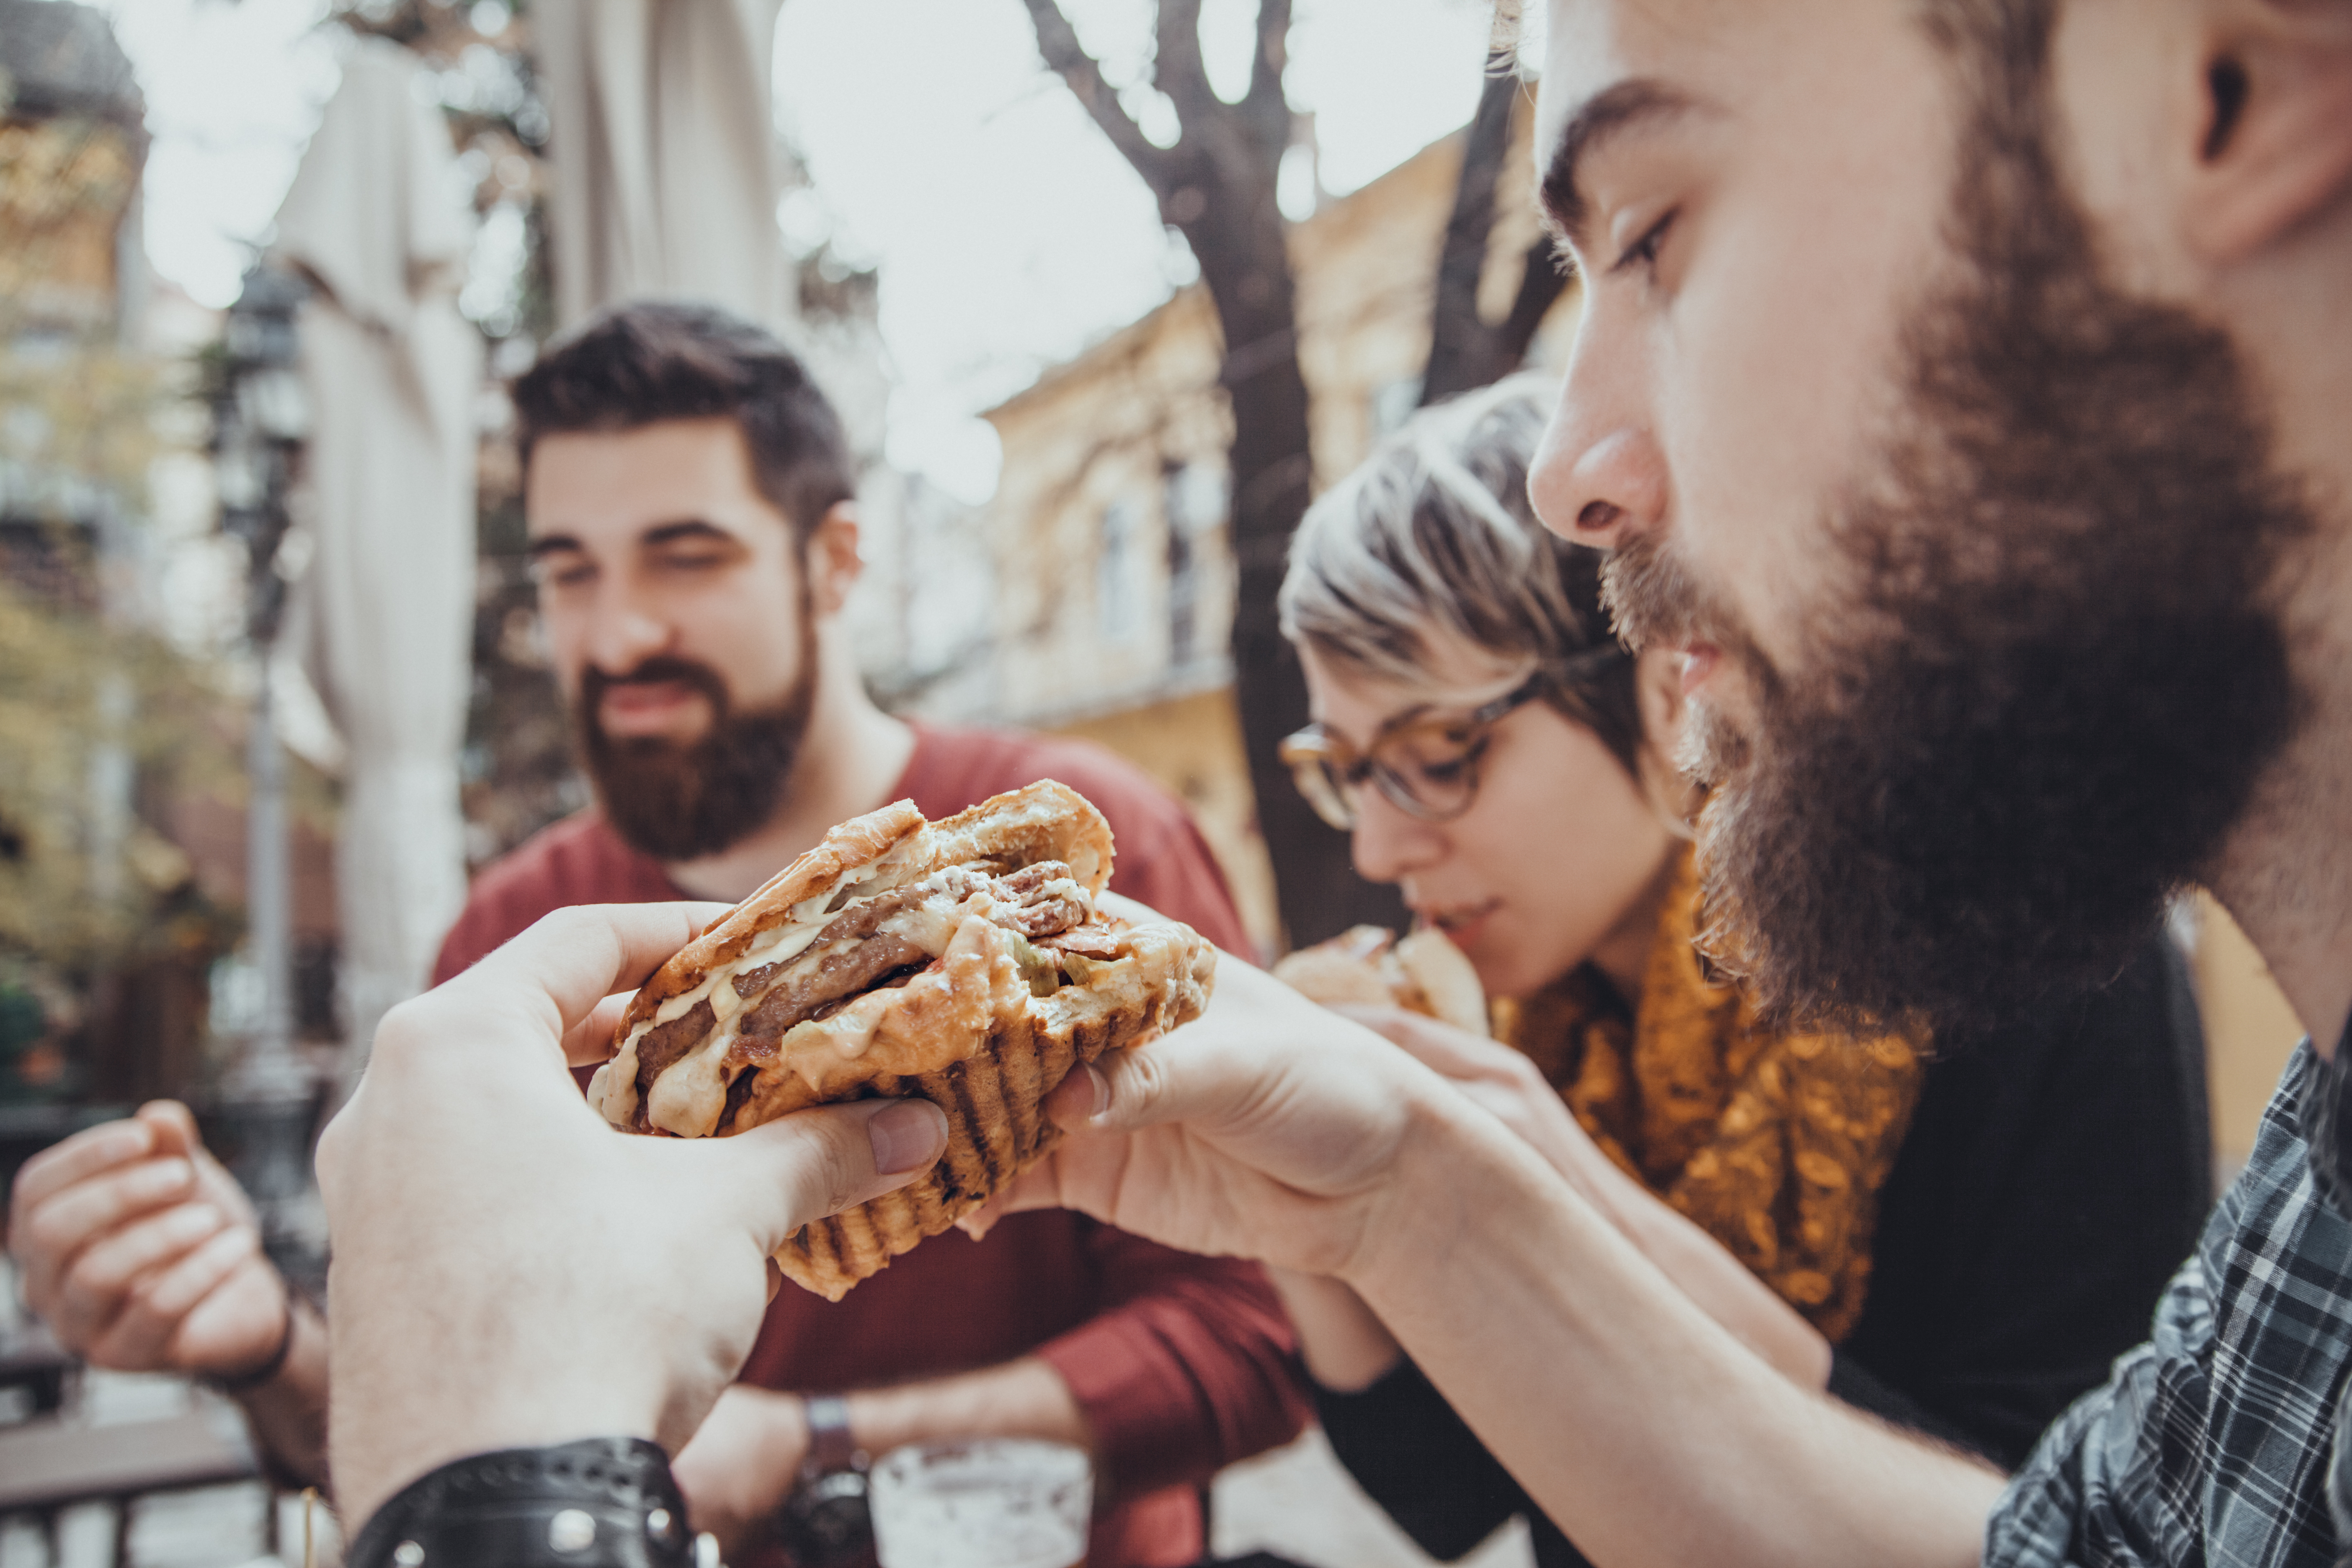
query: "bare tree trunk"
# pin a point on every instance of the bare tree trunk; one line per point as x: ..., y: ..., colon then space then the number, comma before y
x: 1465, y: 349
x: 1217, y: 186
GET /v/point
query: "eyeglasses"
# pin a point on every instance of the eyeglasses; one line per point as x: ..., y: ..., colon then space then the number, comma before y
x: 1426, y: 766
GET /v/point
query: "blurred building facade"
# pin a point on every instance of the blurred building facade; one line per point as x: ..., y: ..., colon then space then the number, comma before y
x: 109, y: 924
x: 1107, y: 610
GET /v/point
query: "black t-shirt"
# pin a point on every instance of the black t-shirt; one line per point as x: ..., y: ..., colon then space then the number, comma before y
x: 2054, y: 1177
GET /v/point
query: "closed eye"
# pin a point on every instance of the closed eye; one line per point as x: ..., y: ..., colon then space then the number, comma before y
x: 680, y: 561
x: 1644, y: 252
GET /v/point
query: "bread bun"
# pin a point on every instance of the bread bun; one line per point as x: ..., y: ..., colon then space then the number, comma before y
x: 1369, y: 966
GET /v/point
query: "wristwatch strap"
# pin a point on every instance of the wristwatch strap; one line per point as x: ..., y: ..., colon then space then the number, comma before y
x: 831, y: 1447
x: 248, y: 1381
x: 602, y: 1502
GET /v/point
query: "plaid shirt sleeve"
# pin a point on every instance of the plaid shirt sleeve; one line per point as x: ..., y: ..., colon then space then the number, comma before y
x: 2209, y: 1444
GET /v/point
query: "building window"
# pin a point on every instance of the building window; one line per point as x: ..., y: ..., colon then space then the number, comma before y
x: 1195, y: 504
x: 1119, y: 594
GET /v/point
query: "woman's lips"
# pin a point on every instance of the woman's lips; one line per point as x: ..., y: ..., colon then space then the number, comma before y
x: 1461, y: 923
x: 1700, y: 659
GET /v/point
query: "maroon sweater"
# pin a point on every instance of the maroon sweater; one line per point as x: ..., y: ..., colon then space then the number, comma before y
x: 1181, y: 1364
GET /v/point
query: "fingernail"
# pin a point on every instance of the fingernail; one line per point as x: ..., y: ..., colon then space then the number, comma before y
x: 908, y: 1134
x: 1101, y: 1086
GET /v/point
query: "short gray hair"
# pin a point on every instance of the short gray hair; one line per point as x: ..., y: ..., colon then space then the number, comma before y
x: 1435, y: 533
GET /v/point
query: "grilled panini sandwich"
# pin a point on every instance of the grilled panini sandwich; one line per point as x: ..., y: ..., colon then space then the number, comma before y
x: 964, y: 961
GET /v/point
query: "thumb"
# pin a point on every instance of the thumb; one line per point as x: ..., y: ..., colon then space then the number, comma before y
x: 818, y: 1162
x: 174, y: 1128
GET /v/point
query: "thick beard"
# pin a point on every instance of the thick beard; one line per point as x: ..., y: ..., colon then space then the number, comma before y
x: 2052, y: 671
x: 683, y: 802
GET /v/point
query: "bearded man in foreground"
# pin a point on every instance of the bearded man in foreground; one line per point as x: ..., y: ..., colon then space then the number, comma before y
x: 1963, y: 387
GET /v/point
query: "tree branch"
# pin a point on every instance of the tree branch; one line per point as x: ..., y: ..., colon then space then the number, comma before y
x: 1461, y: 344
x: 1058, y: 41
x: 1543, y: 279
x: 1272, y: 58
x: 1176, y: 68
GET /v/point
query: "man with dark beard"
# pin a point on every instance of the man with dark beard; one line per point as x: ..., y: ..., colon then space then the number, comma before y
x: 1965, y: 386
x: 688, y: 501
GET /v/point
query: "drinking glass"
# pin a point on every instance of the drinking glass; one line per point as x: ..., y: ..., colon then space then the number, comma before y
x: 988, y: 1502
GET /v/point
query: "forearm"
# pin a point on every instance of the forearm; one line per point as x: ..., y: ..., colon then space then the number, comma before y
x: 1722, y: 1288
x: 1346, y: 1347
x: 1024, y: 1398
x: 1635, y: 1421
x: 1700, y: 1266
x: 288, y: 1415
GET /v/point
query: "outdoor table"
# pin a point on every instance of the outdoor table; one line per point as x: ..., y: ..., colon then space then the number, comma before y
x: 48, y: 1465
x: 31, y: 1359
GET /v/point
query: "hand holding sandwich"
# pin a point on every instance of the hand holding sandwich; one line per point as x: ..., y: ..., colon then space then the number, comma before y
x: 508, y: 1273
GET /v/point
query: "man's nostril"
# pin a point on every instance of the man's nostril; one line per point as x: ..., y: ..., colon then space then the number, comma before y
x: 1597, y: 515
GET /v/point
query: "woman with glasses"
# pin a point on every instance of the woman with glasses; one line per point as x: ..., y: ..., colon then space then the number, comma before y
x: 1874, y: 1219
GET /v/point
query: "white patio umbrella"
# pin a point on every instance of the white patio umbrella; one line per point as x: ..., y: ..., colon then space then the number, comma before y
x: 662, y: 144
x: 377, y: 218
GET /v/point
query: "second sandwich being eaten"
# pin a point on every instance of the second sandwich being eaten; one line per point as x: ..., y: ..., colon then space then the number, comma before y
x: 965, y: 960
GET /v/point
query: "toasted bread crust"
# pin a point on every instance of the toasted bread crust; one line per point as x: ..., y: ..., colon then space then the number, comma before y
x: 995, y: 1101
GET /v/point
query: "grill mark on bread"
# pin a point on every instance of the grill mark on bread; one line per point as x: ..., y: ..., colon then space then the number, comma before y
x: 975, y: 1125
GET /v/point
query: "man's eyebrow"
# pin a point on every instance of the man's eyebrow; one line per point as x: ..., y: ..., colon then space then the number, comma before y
x: 1615, y: 109
x: 548, y: 544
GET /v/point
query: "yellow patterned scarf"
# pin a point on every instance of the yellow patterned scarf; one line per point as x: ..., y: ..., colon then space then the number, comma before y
x: 1776, y: 1144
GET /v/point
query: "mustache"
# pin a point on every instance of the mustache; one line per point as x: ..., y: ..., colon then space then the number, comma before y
x: 660, y: 669
x: 1650, y: 597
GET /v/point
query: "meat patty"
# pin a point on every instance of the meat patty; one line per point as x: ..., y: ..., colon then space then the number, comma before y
x: 838, y: 974
x: 666, y: 1043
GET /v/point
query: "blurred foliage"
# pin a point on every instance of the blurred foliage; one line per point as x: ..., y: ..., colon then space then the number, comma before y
x: 63, y: 185
x: 83, y: 881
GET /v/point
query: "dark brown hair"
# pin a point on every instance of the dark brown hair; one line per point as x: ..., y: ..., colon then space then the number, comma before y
x: 638, y: 365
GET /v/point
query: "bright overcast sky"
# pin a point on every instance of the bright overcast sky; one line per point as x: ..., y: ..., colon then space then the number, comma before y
x: 1007, y: 233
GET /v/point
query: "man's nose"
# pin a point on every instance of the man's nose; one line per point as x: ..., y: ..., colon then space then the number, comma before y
x: 622, y: 635
x: 1598, y: 473
x: 1388, y: 845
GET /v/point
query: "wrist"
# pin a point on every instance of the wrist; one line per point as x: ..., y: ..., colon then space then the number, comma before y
x: 782, y: 1439
x: 608, y: 1502
x: 828, y: 1438
x: 255, y: 1375
x: 1410, y: 1215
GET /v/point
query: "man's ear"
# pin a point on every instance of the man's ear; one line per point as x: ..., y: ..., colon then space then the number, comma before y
x: 833, y: 561
x: 1658, y: 696
x: 2275, y: 147
x: 1658, y: 692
